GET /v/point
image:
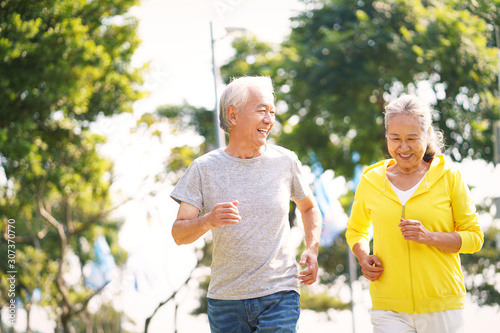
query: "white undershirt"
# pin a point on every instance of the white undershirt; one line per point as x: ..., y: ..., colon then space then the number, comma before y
x: 405, y: 195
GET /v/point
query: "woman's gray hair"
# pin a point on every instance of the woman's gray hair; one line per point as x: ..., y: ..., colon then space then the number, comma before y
x: 237, y: 94
x: 412, y: 105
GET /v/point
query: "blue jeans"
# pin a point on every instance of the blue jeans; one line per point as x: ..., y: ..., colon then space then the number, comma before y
x: 277, y: 312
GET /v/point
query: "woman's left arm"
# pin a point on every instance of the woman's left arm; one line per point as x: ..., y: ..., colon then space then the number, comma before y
x: 414, y: 230
x: 465, y: 216
x: 468, y: 236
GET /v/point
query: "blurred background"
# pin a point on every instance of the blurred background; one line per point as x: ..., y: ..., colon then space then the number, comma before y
x: 103, y: 105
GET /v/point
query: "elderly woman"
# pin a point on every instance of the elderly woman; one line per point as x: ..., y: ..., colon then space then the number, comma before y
x: 422, y: 217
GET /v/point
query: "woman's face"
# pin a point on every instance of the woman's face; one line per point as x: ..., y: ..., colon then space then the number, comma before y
x: 406, y: 141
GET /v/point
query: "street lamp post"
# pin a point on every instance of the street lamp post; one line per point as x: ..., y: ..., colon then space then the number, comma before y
x: 219, y: 133
x: 496, y: 124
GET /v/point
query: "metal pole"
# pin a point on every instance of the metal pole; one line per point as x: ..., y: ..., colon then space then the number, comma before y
x: 497, y: 33
x: 219, y: 134
x: 351, y: 260
x: 496, y: 124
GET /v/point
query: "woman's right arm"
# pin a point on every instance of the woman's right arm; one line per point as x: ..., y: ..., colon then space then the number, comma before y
x: 357, y: 235
x: 370, y: 264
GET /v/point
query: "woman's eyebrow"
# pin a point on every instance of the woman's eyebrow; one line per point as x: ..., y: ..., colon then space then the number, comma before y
x: 410, y: 134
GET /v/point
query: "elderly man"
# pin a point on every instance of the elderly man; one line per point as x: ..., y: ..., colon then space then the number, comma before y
x: 244, y: 192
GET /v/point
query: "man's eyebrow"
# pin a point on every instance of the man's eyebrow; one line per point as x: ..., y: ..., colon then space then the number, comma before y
x: 265, y: 105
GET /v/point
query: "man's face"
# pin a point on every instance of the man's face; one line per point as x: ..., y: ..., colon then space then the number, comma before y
x: 256, y: 118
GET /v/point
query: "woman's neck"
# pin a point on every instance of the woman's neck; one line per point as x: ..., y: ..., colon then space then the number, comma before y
x: 420, y: 169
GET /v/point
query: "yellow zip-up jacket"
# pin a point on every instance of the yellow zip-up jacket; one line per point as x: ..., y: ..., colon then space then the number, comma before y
x: 417, y: 278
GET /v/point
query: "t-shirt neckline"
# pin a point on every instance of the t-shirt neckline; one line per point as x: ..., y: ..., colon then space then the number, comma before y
x: 244, y: 160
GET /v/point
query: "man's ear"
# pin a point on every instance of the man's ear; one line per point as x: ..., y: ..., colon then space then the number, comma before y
x: 231, y: 114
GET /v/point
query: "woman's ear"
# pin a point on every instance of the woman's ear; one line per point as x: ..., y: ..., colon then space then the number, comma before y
x: 231, y: 114
x: 429, y: 131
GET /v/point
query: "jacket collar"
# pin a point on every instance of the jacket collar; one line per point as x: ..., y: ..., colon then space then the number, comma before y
x: 376, y: 175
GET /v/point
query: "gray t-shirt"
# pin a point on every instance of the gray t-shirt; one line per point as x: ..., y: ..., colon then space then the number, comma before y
x: 252, y: 258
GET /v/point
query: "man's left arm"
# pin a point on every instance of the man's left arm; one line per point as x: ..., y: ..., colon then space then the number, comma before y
x: 312, y: 220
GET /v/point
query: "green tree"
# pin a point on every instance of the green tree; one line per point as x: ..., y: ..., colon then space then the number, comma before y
x: 64, y: 64
x: 344, y: 60
x: 485, y: 264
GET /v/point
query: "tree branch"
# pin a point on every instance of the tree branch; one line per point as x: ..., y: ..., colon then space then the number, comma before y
x: 87, y: 300
x: 61, y: 285
x: 148, y: 320
x: 96, y: 217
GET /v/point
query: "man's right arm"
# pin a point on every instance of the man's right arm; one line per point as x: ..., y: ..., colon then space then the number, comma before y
x: 188, y: 227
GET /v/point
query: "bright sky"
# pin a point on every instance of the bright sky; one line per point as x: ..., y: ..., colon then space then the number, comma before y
x: 177, y: 41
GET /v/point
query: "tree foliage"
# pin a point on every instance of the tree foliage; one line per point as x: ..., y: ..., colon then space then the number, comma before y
x: 64, y: 64
x: 344, y: 60
x: 183, y: 119
x: 485, y: 265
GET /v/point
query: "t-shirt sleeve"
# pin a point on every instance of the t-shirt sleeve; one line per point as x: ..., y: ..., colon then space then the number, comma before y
x: 189, y: 188
x: 300, y: 186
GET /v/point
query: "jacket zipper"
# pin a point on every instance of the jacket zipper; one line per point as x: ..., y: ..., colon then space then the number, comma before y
x: 409, y: 264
